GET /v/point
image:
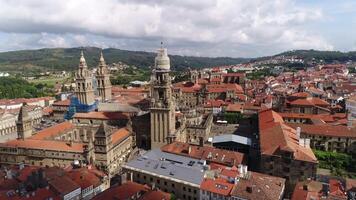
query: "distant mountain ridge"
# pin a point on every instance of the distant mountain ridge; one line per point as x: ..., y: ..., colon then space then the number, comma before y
x: 308, y: 55
x: 56, y: 59
x: 68, y: 59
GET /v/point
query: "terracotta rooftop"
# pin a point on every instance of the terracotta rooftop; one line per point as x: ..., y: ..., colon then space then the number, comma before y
x: 325, y: 117
x: 120, y: 135
x: 53, y: 131
x: 310, y: 102
x: 223, y: 87
x: 301, y: 94
x: 336, y: 189
x: 326, y: 130
x: 130, y: 189
x: 155, y: 195
x: 187, y: 87
x: 215, y: 155
x: 63, y: 185
x: 307, y: 190
x: 218, y: 186
x: 275, y: 135
x: 62, y: 103
x: 84, y: 177
x: 44, y: 144
x: 101, y: 115
x: 234, y: 107
x: 259, y: 186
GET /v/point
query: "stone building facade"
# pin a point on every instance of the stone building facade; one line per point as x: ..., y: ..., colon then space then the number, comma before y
x: 282, y: 152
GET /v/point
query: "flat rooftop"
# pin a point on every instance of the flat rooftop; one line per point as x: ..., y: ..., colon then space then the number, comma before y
x: 170, y: 166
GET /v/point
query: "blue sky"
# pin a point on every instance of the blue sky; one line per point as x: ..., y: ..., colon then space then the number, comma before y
x: 236, y: 28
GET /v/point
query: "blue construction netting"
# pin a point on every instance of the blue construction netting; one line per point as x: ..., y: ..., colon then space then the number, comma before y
x: 75, y: 106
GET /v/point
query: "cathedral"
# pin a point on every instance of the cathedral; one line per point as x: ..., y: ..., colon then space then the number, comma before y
x: 102, y: 137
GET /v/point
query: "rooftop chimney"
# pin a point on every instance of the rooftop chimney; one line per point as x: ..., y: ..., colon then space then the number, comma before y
x: 249, y: 189
x: 349, y: 119
x: 298, y: 131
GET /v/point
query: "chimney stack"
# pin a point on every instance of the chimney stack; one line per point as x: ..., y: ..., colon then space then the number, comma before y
x: 349, y: 119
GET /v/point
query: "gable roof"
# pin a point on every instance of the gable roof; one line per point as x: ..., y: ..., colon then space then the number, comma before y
x: 275, y: 135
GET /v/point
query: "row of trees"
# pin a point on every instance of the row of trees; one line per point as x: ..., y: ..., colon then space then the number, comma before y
x: 14, y: 87
x: 340, y: 164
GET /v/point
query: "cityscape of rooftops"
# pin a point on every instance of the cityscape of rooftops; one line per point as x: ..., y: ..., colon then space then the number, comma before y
x: 178, y: 100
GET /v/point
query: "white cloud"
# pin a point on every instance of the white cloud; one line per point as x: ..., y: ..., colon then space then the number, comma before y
x: 204, y: 27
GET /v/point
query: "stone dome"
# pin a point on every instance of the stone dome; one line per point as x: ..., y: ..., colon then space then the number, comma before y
x: 162, y: 61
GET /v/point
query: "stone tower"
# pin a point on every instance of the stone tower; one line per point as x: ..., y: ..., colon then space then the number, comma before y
x: 84, y: 83
x: 102, y: 146
x: 162, y: 102
x: 24, y: 123
x: 103, y: 80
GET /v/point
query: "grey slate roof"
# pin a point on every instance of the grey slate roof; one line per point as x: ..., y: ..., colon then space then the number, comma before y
x: 170, y: 165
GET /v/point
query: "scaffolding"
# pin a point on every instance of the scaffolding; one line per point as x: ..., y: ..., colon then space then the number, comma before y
x: 75, y: 106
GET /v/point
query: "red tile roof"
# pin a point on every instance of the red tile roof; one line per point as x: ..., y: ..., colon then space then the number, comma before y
x: 130, y: 189
x: 224, y: 87
x: 53, y: 131
x: 63, y: 185
x: 188, y: 87
x: 44, y: 144
x: 307, y: 190
x: 325, y: 117
x: 234, y: 108
x: 310, y: 102
x: 218, y: 186
x: 259, y: 186
x: 326, y: 130
x: 84, y: 177
x: 275, y: 135
x: 156, y: 195
x: 62, y: 103
x: 336, y: 189
x: 215, y: 155
x: 120, y: 135
x: 101, y: 115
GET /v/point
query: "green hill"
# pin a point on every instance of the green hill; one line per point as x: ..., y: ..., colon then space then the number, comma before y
x: 327, y: 56
x: 67, y: 59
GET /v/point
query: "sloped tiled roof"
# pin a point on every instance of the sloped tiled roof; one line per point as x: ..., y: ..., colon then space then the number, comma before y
x: 275, y: 135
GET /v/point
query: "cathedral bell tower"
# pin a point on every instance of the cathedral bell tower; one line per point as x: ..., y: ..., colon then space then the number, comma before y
x: 103, y: 80
x: 84, y: 83
x: 162, y: 103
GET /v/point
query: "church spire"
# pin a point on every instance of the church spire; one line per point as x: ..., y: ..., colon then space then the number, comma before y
x: 103, y: 79
x: 82, y: 62
x: 83, y: 80
x: 102, y: 57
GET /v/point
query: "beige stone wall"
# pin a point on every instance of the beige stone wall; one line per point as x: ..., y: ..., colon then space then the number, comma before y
x: 179, y: 189
x: 38, y: 157
x: 328, y: 143
x: 288, y: 168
